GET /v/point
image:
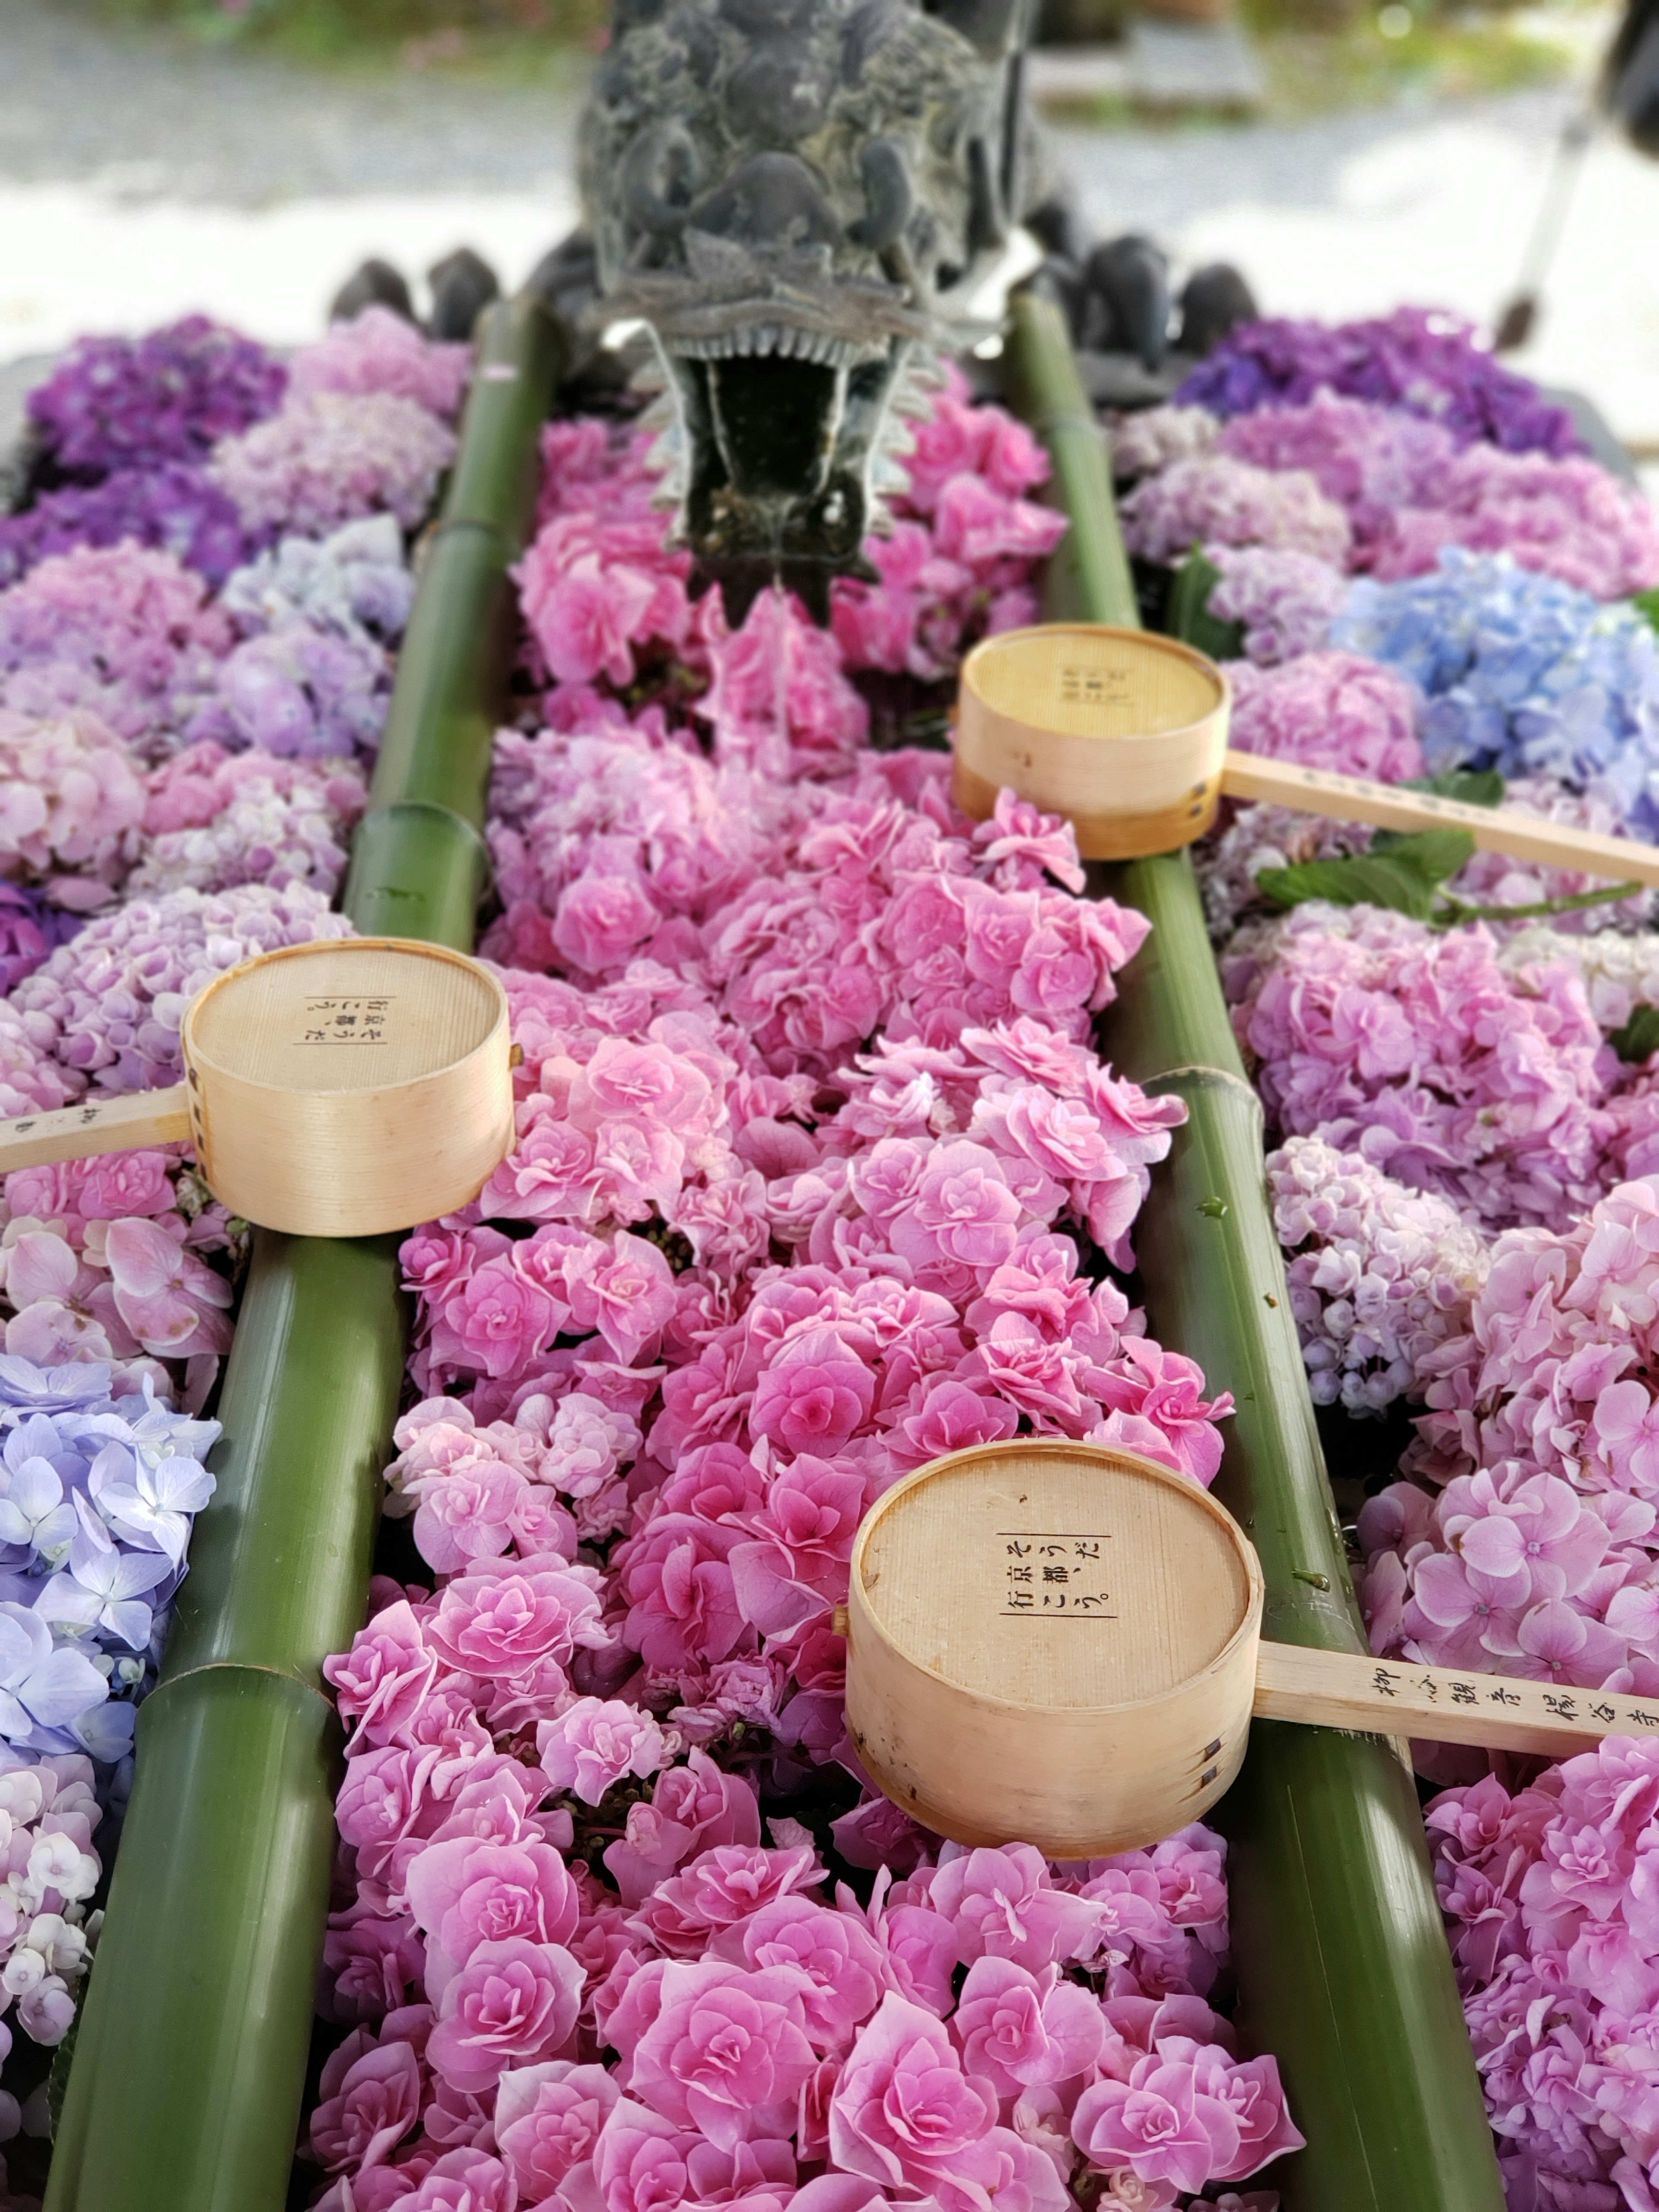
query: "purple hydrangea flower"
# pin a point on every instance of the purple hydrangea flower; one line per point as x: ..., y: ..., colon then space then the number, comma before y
x: 30, y: 932
x: 174, y: 507
x: 110, y: 1004
x: 1426, y: 363
x: 121, y: 403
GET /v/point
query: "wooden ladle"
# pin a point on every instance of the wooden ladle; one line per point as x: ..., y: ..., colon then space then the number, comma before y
x: 1061, y: 1643
x: 339, y: 1088
x: 1125, y: 734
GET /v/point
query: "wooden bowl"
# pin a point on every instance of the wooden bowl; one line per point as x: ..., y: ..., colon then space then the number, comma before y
x: 1121, y: 733
x: 1052, y: 1643
x: 349, y: 1087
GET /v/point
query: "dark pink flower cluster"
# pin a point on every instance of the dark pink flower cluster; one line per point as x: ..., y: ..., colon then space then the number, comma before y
x: 712, y: 2020
x: 605, y: 600
x: 605, y: 604
x: 955, y: 566
x: 813, y: 917
x: 816, y: 1175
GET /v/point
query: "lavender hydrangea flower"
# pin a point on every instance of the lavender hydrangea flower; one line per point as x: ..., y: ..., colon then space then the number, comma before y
x: 102, y: 1592
x: 1260, y: 837
x: 379, y: 351
x: 1285, y: 599
x: 300, y: 691
x: 30, y: 930
x: 1426, y: 363
x: 331, y: 456
x: 1218, y: 501
x: 34, y: 1512
x: 45, y: 1686
x: 109, y: 1005
x: 123, y: 630
x: 1381, y: 1276
x: 26, y: 1388
x: 354, y: 584
x: 1153, y: 439
x: 31, y: 1080
x: 217, y: 819
x: 120, y: 403
x: 97, y: 1496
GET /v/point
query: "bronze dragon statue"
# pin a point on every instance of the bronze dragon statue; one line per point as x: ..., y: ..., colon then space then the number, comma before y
x: 797, y: 199
x: 793, y: 203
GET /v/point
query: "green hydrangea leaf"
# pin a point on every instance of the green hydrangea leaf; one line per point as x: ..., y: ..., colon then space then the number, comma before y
x: 1188, y: 616
x: 1403, y: 874
x: 1436, y: 854
x: 1638, y: 1040
x: 1475, y: 786
x: 1362, y: 881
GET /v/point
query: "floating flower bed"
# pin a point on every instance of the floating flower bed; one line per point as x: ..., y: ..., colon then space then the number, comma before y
x: 196, y: 650
x: 818, y: 1173
x: 1459, y: 1084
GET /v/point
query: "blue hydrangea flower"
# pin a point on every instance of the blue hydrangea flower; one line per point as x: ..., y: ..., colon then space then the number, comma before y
x: 97, y: 1497
x: 1522, y: 673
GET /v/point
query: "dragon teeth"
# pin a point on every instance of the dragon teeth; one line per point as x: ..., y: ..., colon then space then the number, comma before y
x: 787, y: 342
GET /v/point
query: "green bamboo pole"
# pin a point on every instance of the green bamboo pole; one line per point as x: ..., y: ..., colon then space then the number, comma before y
x: 1343, y: 1966
x: 190, y: 2060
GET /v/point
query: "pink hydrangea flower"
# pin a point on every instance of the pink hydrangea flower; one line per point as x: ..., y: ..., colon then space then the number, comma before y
x: 1003, y: 1906
x: 726, y: 2053
x: 367, y: 2107
x: 548, y: 2120
x: 1328, y: 710
x: 595, y: 1742
x: 513, y: 2001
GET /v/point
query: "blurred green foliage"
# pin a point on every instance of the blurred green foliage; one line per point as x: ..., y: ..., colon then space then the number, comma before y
x: 1324, y: 54
x: 431, y: 34
x: 1319, y: 54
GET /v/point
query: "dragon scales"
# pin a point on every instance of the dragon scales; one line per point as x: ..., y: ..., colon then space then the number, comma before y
x: 796, y: 199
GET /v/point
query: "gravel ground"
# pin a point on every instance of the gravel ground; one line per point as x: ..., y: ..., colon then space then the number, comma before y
x: 1160, y: 180
x: 147, y: 116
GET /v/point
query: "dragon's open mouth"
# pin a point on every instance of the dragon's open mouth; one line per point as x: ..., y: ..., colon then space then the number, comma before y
x: 782, y: 410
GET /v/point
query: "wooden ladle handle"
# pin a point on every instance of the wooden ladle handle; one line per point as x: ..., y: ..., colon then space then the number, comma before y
x: 96, y: 1125
x: 1440, y: 1704
x: 1494, y: 829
